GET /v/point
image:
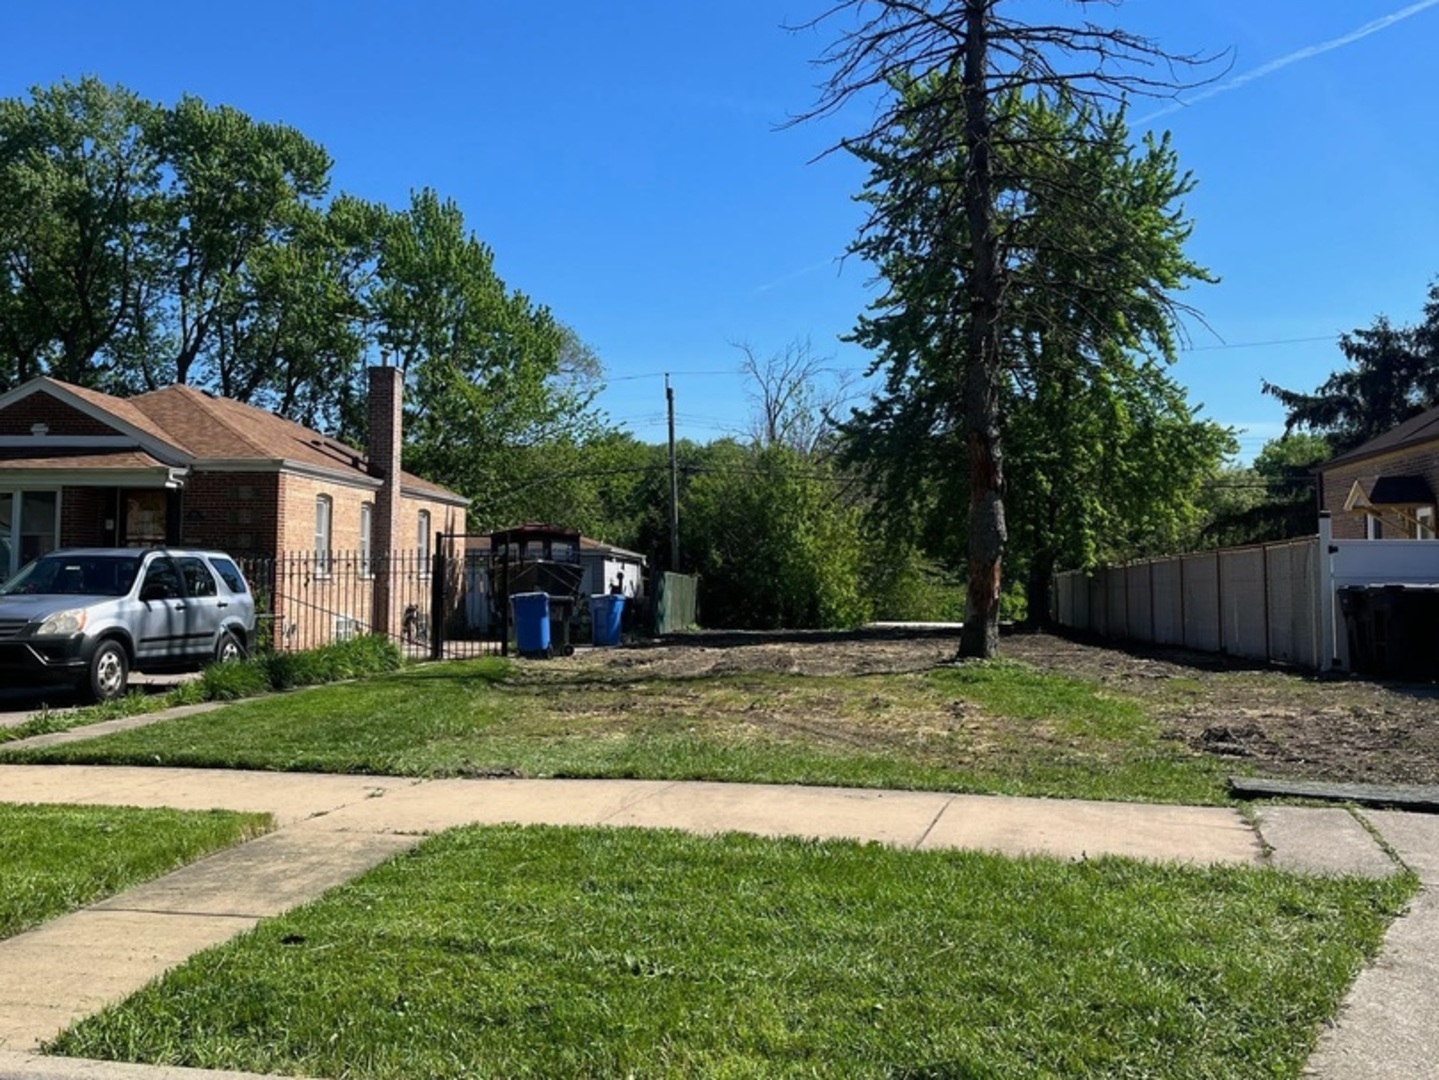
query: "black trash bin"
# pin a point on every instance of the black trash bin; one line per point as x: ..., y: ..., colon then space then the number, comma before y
x: 1391, y: 630
x: 1412, y: 632
x: 1358, y: 628
x: 1386, y: 616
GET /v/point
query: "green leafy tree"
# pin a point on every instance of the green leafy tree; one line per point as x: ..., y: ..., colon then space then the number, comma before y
x: 950, y: 164
x: 243, y: 218
x: 298, y: 345
x: 1392, y: 375
x: 483, y: 363
x: 1105, y: 458
x: 773, y: 546
x: 619, y: 495
x: 142, y: 246
x: 1272, y: 499
x: 1115, y: 472
x: 605, y: 486
x: 80, y: 176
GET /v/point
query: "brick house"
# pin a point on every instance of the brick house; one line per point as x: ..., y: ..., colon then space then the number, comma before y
x: 181, y: 467
x: 1385, y: 489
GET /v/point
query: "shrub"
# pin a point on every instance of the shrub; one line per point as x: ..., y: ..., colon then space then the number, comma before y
x: 190, y: 693
x: 236, y: 679
x: 366, y: 655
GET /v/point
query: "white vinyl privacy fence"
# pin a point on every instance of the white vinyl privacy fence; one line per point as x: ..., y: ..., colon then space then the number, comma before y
x: 1254, y: 602
x: 1269, y: 602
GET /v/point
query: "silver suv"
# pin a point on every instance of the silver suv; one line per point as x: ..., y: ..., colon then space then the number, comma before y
x: 90, y: 616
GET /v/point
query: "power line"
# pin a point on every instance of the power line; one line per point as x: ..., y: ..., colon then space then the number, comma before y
x: 1257, y: 344
x: 733, y: 372
x: 1221, y: 347
x: 661, y: 375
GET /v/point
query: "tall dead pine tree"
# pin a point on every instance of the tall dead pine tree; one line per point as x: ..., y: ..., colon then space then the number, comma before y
x: 976, y: 62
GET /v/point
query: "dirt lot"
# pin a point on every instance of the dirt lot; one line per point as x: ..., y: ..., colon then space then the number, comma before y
x: 1281, y: 723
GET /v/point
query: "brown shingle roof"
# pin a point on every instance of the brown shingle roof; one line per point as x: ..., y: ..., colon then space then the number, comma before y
x: 1417, y: 429
x: 217, y: 428
x: 419, y: 483
x: 13, y: 457
x: 222, y: 428
x: 123, y: 409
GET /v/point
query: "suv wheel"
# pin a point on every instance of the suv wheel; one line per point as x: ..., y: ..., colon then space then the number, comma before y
x: 108, y: 674
x: 228, y: 648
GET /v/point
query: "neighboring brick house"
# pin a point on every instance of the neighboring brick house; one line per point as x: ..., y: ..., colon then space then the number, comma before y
x: 1385, y: 489
x: 181, y: 467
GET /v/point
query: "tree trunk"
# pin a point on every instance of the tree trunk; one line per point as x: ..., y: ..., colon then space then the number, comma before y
x: 1039, y: 591
x: 980, y: 637
x: 987, y: 532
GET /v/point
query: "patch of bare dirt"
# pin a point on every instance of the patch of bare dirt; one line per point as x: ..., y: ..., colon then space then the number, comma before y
x: 1273, y: 722
x: 1280, y: 722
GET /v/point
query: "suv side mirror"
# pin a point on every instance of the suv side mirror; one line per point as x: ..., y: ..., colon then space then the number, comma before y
x: 153, y: 590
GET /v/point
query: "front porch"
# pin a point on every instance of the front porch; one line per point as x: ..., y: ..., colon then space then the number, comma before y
x: 37, y: 518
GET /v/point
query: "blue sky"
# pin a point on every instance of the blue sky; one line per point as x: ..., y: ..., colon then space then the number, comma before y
x: 624, y: 162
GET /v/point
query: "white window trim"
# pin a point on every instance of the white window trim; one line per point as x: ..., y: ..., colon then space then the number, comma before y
x: 17, y: 515
x: 367, y: 539
x: 424, y: 537
x: 322, y: 550
x: 1425, y: 523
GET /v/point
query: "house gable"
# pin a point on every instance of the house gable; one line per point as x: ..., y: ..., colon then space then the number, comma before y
x: 1388, y: 492
x: 58, y: 419
x: 81, y: 418
x: 55, y: 437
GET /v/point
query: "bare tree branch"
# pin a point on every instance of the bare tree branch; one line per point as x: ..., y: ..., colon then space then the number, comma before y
x: 797, y: 396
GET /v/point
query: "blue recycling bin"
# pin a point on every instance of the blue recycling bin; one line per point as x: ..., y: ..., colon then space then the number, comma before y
x: 532, y: 623
x: 605, y: 612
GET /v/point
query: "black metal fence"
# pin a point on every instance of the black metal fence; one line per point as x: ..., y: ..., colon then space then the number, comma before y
x: 441, y: 604
x: 422, y: 600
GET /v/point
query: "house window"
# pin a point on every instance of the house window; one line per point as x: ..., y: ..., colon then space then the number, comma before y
x: 1373, y: 527
x: 1424, y: 523
x: 423, y: 537
x: 29, y: 527
x: 324, y: 515
x: 367, y: 518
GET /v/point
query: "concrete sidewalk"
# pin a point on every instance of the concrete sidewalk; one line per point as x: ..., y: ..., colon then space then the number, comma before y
x: 331, y: 828
x: 1388, y: 1027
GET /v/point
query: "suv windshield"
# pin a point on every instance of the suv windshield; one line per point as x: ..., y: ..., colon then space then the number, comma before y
x: 75, y: 575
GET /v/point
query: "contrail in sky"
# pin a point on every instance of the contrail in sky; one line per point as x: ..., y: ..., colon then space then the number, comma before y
x: 1373, y: 27
x: 802, y: 271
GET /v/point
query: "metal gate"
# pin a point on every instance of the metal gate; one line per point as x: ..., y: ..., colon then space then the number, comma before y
x: 465, y: 620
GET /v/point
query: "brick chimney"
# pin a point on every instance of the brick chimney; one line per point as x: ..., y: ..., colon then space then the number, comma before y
x: 387, y: 395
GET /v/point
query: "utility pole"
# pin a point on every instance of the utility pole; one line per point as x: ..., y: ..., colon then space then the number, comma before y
x: 674, y: 482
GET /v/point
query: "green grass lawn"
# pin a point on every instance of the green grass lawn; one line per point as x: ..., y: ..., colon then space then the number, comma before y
x: 54, y: 859
x: 991, y: 727
x: 545, y: 952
